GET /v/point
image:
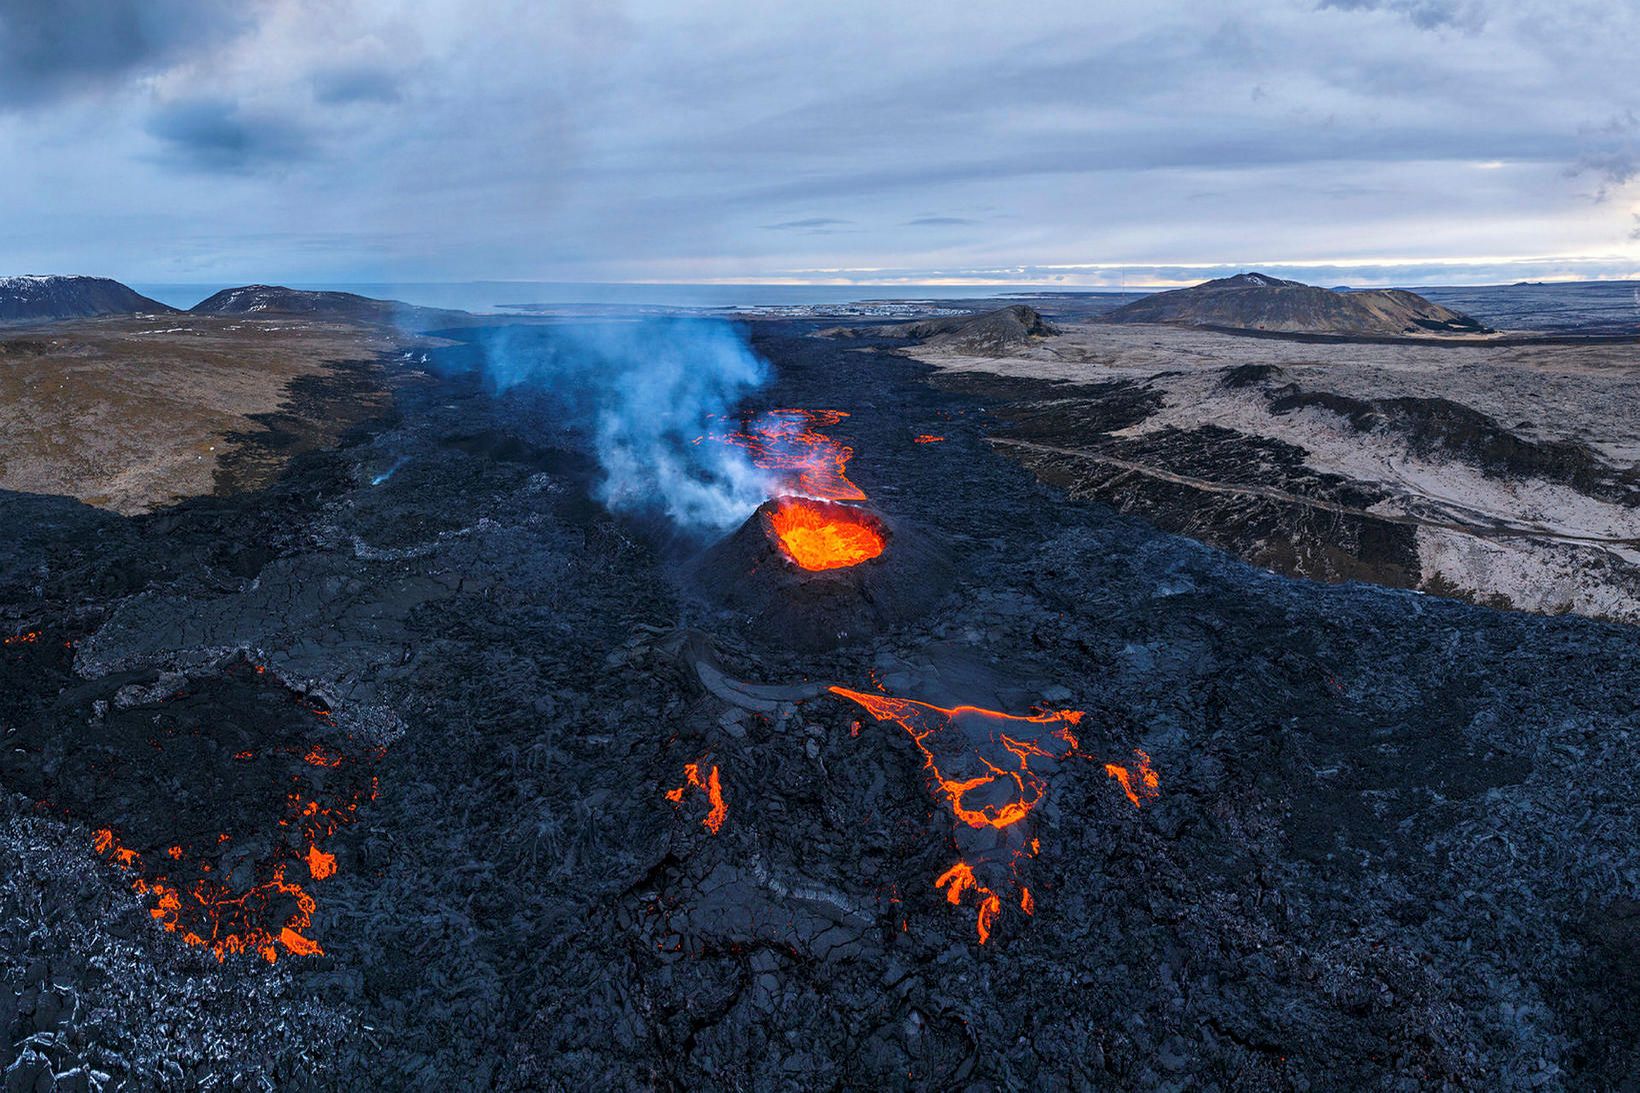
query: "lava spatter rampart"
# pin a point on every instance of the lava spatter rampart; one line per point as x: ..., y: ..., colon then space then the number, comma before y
x: 711, y: 784
x: 991, y: 769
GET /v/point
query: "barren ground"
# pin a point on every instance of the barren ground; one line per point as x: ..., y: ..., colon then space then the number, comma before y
x: 1506, y: 473
x: 131, y: 414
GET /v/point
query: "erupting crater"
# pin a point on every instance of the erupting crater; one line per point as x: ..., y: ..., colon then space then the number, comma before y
x: 820, y: 535
x: 811, y: 568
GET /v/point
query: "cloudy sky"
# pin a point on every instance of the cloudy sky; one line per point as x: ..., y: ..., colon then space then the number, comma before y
x: 1075, y: 142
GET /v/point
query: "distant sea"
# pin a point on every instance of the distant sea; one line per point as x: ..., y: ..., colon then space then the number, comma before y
x: 1585, y: 307
x: 499, y: 296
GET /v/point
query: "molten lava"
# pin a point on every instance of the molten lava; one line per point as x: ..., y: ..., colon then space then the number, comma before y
x: 266, y: 913
x: 927, y: 438
x: 209, y: 915
x: 1146, y: 787
x: 992, y: 769
x: 807, y: 462
x: 818, y: 535
x: 810, y: 469
x: 711, y: 784
x: 320, y: 864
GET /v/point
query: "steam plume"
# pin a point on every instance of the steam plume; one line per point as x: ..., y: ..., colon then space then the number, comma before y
x: 647, y: 392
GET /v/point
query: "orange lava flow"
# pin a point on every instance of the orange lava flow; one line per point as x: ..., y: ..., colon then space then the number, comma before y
x: 991, y: 769
x: 32, y: 636
x: 927, y: 438
x: 1147, y: 785
x: 959, y: 879
x: 807, y: 461
x: 712, y: 786
x: 320, y: 864
x: 1020, y: 787
x: 817, y: 537
x: 209, y: 916
x: 272, y: 915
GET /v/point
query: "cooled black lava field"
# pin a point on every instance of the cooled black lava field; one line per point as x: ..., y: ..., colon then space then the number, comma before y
x: 410, y: 785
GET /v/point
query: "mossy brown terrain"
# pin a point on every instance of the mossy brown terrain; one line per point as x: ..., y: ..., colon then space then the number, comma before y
x: 134, y: 413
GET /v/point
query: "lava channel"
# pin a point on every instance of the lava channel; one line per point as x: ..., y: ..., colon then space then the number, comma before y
x: 805, y: 461
x: 991, y: 769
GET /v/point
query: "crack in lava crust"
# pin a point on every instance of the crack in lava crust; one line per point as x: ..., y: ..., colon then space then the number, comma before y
x: 992, y: 769
x: 711, y: 784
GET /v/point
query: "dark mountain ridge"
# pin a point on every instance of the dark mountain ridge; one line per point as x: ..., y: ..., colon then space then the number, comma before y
x: 277, y: 301
x: 50, y: 296
x: 1256, y: 301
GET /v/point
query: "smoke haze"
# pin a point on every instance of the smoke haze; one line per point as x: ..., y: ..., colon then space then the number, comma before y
x: 647, y: 394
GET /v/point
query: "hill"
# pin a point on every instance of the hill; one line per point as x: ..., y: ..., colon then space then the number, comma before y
x: 276, y: 300
x: 1254, y: 301
x: 36, y: 296
x: 988, y: 334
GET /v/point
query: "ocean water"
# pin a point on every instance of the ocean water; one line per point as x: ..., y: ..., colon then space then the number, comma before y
x: 485, y: 297
x: 1586, y: 307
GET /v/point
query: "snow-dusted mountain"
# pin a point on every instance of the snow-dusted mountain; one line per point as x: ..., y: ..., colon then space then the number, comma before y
x: 37, y: 296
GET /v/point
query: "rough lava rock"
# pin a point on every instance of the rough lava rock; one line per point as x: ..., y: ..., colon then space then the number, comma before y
x: 1392, y: 846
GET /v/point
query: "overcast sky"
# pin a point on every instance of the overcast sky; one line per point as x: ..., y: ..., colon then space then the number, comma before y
x: 1083, y: 142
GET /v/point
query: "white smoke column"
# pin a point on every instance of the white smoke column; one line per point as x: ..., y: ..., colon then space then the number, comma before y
x: 648, y: 392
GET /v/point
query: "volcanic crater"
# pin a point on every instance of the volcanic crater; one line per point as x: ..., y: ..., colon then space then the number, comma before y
x: 854, y: 583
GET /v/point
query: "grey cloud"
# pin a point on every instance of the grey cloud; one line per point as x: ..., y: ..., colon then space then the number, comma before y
x: 340, y: 86
x: 809, y: 224
x: 211, y: 134
x: 52, y: 49
x: 1611, y: 153
x: 1428, y: 14
x: 1127, y: 132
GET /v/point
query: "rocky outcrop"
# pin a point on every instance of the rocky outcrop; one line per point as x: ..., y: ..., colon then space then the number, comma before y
x: 988, y: 334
